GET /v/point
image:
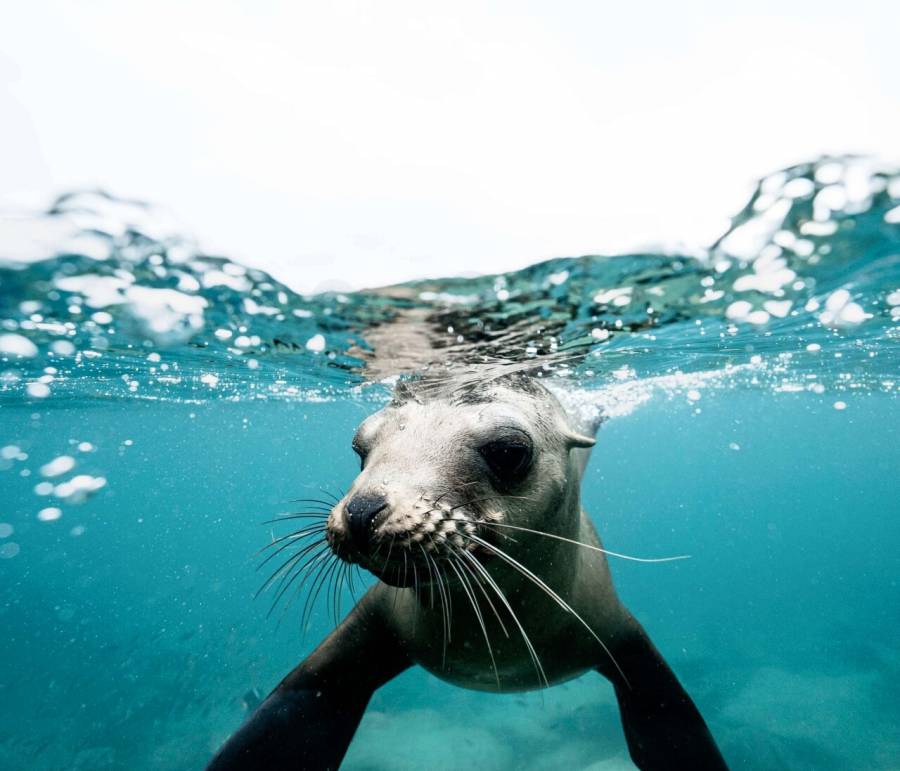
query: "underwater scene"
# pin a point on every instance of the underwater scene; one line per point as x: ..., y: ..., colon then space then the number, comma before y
x: 162, y: 410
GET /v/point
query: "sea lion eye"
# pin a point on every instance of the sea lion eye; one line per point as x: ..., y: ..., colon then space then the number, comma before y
x: 509, y: 461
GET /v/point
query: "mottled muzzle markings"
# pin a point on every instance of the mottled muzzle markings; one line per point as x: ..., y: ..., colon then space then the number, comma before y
x: 431, y: 526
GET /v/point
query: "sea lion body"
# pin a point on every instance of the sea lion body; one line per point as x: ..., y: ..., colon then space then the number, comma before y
x: 564, y: 647
x: 468, y: 509
x: 420, y: 454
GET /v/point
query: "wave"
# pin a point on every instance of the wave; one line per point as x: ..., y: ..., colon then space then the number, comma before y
x: 802, y: 292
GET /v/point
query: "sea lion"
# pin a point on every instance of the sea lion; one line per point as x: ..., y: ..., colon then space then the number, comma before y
x: 467, y: 508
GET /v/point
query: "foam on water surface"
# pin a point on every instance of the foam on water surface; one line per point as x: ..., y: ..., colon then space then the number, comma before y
x: 805, y: 280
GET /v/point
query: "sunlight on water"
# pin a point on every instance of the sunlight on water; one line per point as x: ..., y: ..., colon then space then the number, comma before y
x: 157, y: 403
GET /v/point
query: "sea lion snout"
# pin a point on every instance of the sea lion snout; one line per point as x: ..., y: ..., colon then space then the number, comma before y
x: 362, y: 512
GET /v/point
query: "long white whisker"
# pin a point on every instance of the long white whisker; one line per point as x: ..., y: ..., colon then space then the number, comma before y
x: 474, y: 601
x: 287, y: 569
x: 493, y: 584
x: 449, y: 599
x: 288, y: 542
x: 528, y: 574
x: 444, y: 618
x: 442, y: 577
x: 430, y: 576
x: 587, y: 545
x: 416, y: 595
x: 314, y: 590
x: 487, y: 597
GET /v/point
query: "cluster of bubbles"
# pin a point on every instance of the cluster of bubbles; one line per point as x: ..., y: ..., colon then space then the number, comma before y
x: 126, y: 303
x: 56, y: 487
x: 801, y: 292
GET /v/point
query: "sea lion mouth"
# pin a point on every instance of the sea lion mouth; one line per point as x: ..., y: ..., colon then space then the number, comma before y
x: 419, y: 572
x: 409, y: 561
x: 427, y: 542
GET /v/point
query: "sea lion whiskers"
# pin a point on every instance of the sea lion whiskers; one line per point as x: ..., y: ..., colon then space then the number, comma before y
x: 335, y: 592
x: 309, y: 560
x: 442, y: 576
x: 298, y: 565
x: 335, y: 585
x: 387, y: 560
x: 559, y: 600
x: 306, y: 571
x: 298, y: 535
x: 487, y: 597
x: 430, y: 576
x: 324, y: 573
x: 287, y: 568
x: 287, y: 565
x: 316, y: 501
x: 416, y: 595
x: 493, y: 584
x: 342, y: 579
x: 468, y: 590
x: 323, y: 515
x: 599, y: 549
x: 456, y: 550
x: 334, y: 498
x: 350, y: 586
x: 435, y: 579
x: 405, y: 565
x: 445, y: 608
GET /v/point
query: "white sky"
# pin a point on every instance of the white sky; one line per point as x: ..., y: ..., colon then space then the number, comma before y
x: 371, y: 142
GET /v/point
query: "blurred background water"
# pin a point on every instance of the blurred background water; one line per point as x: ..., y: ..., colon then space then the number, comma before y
x: 157, y: 404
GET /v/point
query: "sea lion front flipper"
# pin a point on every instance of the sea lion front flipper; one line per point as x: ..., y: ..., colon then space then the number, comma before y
x: 308, y: 721
x: 663, y: 727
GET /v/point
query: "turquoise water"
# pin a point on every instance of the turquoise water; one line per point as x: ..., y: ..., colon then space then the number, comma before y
x: 158, y: 404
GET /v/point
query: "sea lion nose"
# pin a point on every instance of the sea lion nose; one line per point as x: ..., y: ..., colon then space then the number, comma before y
x: 361, y: 513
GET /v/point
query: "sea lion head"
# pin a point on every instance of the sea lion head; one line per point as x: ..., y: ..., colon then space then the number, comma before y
x: 444, y: 464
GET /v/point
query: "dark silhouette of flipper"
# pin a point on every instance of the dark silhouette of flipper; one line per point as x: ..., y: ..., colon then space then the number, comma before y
x: 308, y: 721
x: 663, y: 727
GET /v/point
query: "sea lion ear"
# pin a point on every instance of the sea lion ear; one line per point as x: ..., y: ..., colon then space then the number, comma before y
x: 579, y: 440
